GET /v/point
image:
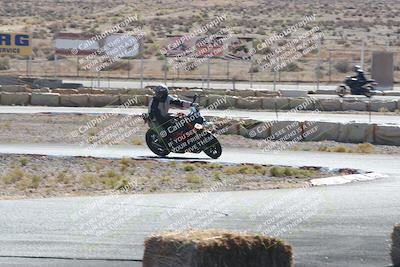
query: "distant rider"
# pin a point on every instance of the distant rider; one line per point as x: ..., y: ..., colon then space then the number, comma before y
x: 360, y: 76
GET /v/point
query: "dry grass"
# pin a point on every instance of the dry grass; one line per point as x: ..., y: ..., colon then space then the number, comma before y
x: 290, y: 172
x: 137, y: 142
x: 215, y: 248
x: 249, y: 169
x: 189, y: 167
x: 193, y: 178
x: 365, y: 148
x: 13, y: 176
x: 61, y: 176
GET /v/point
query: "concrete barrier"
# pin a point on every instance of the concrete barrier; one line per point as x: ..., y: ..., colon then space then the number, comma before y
x: 266, y: 93
x: 45, y: 99
x: 41, y: 90
x: 248, y: 103
x: 329, y: 104
x: 196, y: 248
x: 286, y: 131
x: 355, y: 105
x: 301, y: 104
x: 89, y: 91
x: 282, y: 103
x: 395, y: 249
x: 103, y: 100
x: 78, y: 100
x: 65, y: 91
x: 13, y: 88
x: 387, y: 135
x: 320, y: 131
x: 222, y: 102
x: 260, y: 130
x: 135, y: 100
x: 326, y: 92
x: 268, y: 103
x: 293, y: 93
x: 382, y: 106
x: 356, y: 133
x: 14, y: 98
x: 242, y: 93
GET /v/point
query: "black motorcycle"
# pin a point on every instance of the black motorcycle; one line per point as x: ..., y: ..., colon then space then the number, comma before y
x: 184, y: 133
x: 356, y: 87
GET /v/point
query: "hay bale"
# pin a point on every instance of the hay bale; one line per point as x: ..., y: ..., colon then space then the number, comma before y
x: 215, y: 248
x: 395, y: 252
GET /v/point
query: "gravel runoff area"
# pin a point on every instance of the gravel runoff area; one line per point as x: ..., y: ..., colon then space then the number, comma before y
x: 123, y: 129
x: 44, y: 176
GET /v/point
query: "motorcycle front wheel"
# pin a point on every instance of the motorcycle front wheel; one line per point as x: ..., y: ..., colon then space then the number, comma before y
x: 341, y: 90
x: 156, y: 144
x: 368, y: 91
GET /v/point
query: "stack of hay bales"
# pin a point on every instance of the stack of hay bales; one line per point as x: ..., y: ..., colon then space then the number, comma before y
x: 395, y: 253
x: 215, y: 248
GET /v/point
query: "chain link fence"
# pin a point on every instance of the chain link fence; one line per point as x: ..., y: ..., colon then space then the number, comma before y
x: 331, y: 64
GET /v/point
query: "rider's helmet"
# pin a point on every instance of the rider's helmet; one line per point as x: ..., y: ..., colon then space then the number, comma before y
x: 161, y: 91
x: 357, y: 68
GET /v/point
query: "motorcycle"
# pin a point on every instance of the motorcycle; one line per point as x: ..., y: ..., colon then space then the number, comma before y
x: 355, y: 87
x: 184, y: 133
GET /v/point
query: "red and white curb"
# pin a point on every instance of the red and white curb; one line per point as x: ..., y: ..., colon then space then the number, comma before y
x: 344, y: 179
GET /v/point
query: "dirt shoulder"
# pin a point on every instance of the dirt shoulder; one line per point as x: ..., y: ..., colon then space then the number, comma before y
x: 23, y: 176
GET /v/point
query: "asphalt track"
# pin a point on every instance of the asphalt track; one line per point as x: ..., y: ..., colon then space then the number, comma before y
x: 345, y: 225
x: 378, y: 118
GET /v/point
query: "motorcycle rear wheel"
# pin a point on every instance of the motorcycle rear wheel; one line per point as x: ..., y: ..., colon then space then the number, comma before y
x: 213, y: 149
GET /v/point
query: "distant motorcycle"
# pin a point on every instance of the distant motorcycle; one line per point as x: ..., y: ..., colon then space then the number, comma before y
x: 356, y: 87
x: 186, y: 133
